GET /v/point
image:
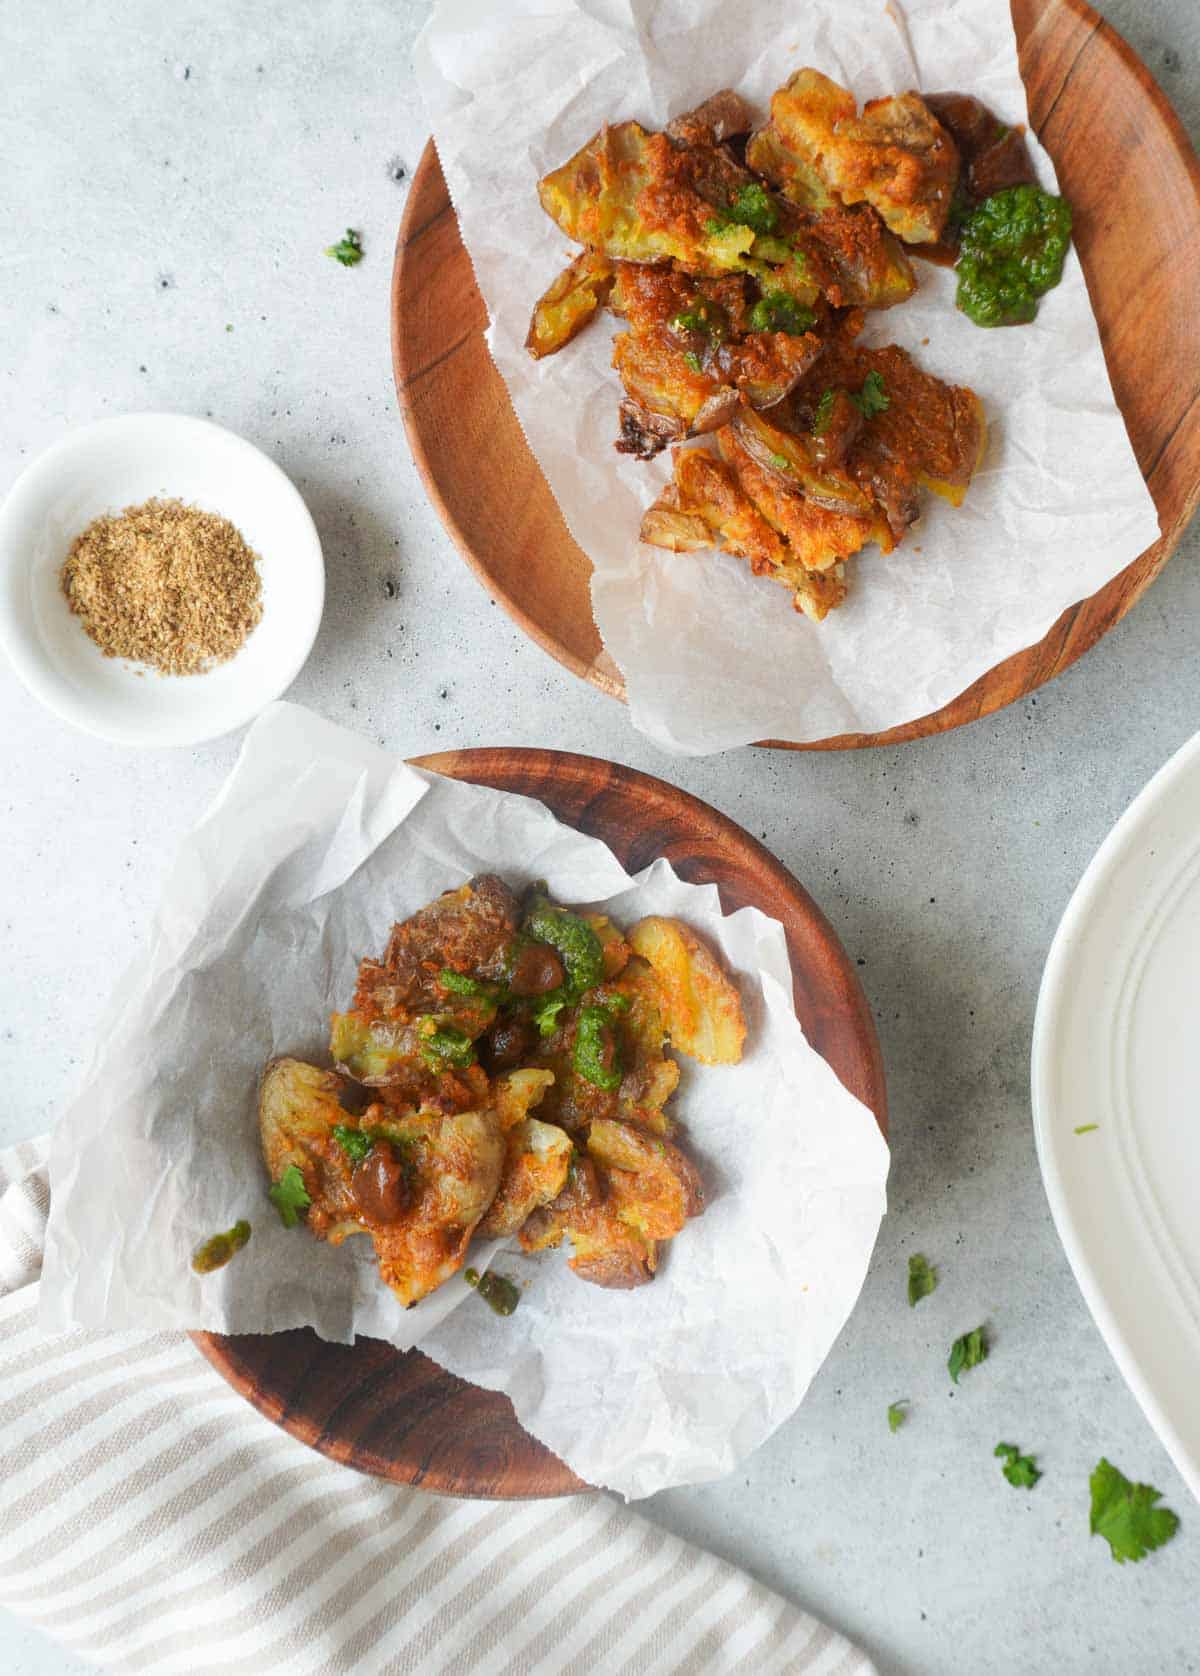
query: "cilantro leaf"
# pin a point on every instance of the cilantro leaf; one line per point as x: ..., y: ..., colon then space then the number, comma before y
x: 545, y: 1012
x: 922, y: 1279
x: 781, y: 462
x: 290, y: 1196
x: 1019, y: 1469
x: 1124, y: 1514
x: 347, y: 251
x: 353, y: 1142
x: 1085, y: 1128
x: 967, y: 1352
x: 896, y: 1414
x: 823, y: 417
x: 873, y: 397
x: 693, y: 360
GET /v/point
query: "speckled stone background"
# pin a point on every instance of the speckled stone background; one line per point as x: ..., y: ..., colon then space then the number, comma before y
x: 173, y: 171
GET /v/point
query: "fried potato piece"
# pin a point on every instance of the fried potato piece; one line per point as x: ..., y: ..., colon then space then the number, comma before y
x: 722, y: 116
x: 933, y: 432
x: 706, y: 506
x: 705, y: 488
x: 537, y: 1158
x: 630, y: 1193
x: 701, y: 1005
x: 794, y: 458
x: 817, y: 539
x: 634, y: 197
x: 896, y: 155
x: 569, y: 303
x: 383, y: 1041
x: 451, y: 1167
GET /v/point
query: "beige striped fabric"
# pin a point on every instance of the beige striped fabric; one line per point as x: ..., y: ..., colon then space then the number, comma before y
x: 153, y: 1521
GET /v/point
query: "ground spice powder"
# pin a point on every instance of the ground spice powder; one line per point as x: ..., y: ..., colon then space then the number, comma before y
x: 164, y: 584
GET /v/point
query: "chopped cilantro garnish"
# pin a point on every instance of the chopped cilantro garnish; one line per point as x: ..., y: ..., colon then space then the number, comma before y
x: 1124, y: 1514
x: 458, y: 983
x: 545, y: 1011
x: 290, y: 1196
x: 872, y: 398
x: 922, y: 1279
x: 823, y: 417
x: 347, y: 251
x: 781, y: 462
x: 446, y: 1044
x: 750, y: 206
x: 967, y: 1352
x: 353, y: 1142
x: 777, y: 311
x: 1018, y: 1469
x: 693, y: 360
x: 1085, y: 1128
x: 896, y: 1414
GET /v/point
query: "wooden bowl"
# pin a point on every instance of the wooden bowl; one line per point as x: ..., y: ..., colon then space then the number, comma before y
x: 396, y: 1413
x: 1133, y: 179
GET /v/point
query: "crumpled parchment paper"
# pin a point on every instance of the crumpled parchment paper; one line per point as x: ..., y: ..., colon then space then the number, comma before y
x: 712, y: 656
x: 318, y: 842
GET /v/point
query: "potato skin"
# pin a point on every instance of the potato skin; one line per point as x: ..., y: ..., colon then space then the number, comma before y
x: 701, y: 1004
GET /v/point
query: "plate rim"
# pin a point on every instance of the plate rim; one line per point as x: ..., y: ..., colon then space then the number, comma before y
x: 223, y: 1351
x: 1064, y: 642
x: 1052, y: 992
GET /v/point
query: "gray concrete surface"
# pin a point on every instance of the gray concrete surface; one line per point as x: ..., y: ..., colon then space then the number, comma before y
x: 174, y: 170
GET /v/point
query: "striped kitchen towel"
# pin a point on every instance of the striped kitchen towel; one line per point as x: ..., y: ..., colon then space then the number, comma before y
x: 153, y: 1521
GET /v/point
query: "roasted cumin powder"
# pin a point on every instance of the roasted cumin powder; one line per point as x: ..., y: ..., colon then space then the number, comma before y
x: 164, y: 584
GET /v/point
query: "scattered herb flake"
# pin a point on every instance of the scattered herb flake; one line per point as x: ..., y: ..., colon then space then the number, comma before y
x: 781, y: 462
x: 496, y: 1290
x: 545, y: 1011
x: 967, y: 1352
x: 1124, y: 1514
x: 896, y: 1414
x: 1020, y: 1470
x: 347, y: 251
x: 922, y: 1279
x: 353, y: 1142
x: 693, y: 360
x: 215, y: 1252
x: 1085, y: 1128
x: 823, y: 417
x: 873, y: 397
x: 290, y: 1196
x: 778, y: 311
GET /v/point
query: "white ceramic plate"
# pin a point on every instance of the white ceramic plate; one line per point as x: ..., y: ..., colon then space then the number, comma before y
x: 1116, y: 1043
x: 117, y: 463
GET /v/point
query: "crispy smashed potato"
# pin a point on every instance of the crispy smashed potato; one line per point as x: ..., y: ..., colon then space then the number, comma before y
x: 484, y: 1010
x: 896, y: 156
x: 422, y: 1185
x: 701, y: 1006
x: 742, y: 256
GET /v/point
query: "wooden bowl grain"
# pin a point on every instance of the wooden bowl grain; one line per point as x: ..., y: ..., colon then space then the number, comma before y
x: 1133, y: 179
x: 400, y: 1416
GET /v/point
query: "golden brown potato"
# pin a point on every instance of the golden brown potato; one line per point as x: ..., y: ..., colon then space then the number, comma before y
x: 537, y: 1158
x: 424, y: 1184
x: 701, y: 1005
x: 570, y: 301
x: 896, y: 156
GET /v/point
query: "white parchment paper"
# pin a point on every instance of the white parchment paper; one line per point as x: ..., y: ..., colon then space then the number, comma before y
x: 712, y: 656
x: 318, y: 842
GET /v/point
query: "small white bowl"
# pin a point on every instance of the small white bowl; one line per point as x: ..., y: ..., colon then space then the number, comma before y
x: 118, y: 463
